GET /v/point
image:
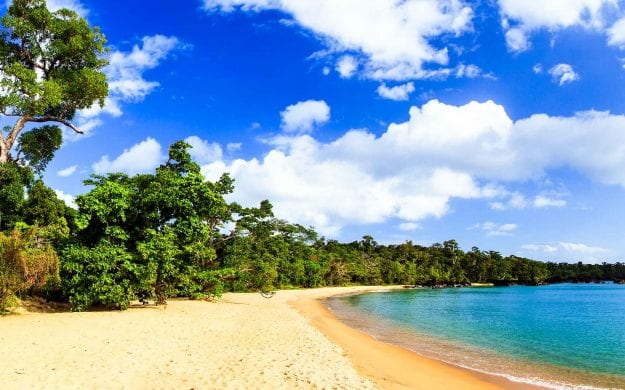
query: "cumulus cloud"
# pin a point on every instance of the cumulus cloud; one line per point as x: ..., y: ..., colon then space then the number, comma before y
x: 125, y: 78
x: 69, y: 200
x: 125, y: 70
x: 493, y: 229
x: 202, y: 151
x: 521, y: 17
x: 347, y: 66
x: 563, y: 74
x: 415, y: 169
x: 556, y: 251
x: 616, y: 33
x: 302, y: 117
x: 398, y: 92
x: 393, y: 37
x: 517, y: 40
x: 140, y: 158
x: 67, y: 171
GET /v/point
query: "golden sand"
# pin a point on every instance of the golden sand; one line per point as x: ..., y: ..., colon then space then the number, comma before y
x: 243, y: 341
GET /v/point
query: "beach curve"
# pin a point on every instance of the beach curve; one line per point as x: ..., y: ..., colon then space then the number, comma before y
x: 243, y: 341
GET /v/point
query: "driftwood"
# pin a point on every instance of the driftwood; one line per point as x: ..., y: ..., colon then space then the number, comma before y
x: 267, y: 294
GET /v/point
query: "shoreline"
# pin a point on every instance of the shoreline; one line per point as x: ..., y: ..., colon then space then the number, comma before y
x: 291, y: 341
x: 387, y: 364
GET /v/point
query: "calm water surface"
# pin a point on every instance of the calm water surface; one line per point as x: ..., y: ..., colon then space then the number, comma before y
x: 555, y: 335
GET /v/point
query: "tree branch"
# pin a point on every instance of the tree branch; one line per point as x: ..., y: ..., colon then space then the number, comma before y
x: 49, y: 118
x: 19, y: 125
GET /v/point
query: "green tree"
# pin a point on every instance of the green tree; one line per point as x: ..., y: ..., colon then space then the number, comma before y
x: 44, y: 209
x: 149, y: 236
x: 13, y: 180
x: 50, y: 67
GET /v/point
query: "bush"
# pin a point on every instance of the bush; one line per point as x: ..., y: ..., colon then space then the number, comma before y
x: 98, y: 276
x: 25, y: 262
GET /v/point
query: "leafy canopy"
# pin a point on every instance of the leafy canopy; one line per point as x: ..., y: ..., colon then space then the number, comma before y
x: 50, y: 66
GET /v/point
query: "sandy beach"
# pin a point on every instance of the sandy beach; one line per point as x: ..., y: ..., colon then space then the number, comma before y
x: 243, y: 341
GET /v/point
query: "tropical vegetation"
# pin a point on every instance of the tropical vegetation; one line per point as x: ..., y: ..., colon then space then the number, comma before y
x: 171, y: 233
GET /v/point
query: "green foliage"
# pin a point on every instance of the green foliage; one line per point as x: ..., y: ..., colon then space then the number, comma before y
x: 98, y: 275
x: 52, y: 61
x: 51, y: 65
x: 152, y: 236
x: 13, y: 180
x: 39, y: 145
x: 25, y: 262
x: 160, y: 235
x: 44, y: 209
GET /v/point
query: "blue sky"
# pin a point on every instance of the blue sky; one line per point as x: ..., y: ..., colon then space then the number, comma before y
x: 499, y: 123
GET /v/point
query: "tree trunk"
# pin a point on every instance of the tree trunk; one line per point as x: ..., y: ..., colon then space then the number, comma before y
x: 4, y: 152
x: 6, y: 144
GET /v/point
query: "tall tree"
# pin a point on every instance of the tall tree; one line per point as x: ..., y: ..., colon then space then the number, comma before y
x: 50, y: 67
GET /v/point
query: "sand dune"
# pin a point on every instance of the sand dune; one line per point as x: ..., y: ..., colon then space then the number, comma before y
x: 244, y: 341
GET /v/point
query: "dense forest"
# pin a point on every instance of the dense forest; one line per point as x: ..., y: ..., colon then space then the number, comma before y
x: 171, y: 233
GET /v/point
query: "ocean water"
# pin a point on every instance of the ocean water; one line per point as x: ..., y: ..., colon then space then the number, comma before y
x: 559, y: 336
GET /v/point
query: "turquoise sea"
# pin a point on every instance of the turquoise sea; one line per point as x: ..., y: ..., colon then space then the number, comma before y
x: 560, y: 336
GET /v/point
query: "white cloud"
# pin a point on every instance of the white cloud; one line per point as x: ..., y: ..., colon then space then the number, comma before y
x: 67, y: 198
x: 574, y: 251
x: 393, y: 37
x: 542, y: 201
x: 140, y: 158
x: 538, y: 68
x: 520, y: 18
x: 493, y: 229
x: 125, y: 70
x: 111, y: 107
x: 347, y: 66
x: 469, y: 71
x: 202, y: 151
x: 408, y: 226
x: 302, y: 117
x: 234, y: 146
x: 67, y: 171
x: 563, y: 74
x: 125, y: 77
x: 517, y: 41
x: 398, y: 92
x: 507, y: 200
x: 616, y: 33
x: 416, y: 168
x: 325, y: 71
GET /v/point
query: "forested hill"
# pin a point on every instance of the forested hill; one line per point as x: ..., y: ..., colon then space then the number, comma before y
x: 160, y: 235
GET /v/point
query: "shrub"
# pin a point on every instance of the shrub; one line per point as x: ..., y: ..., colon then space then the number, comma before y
x: 25, y: 262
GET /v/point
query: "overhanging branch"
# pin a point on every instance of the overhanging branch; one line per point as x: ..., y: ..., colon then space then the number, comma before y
x: 56, y: 119
x: 19, y: 125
